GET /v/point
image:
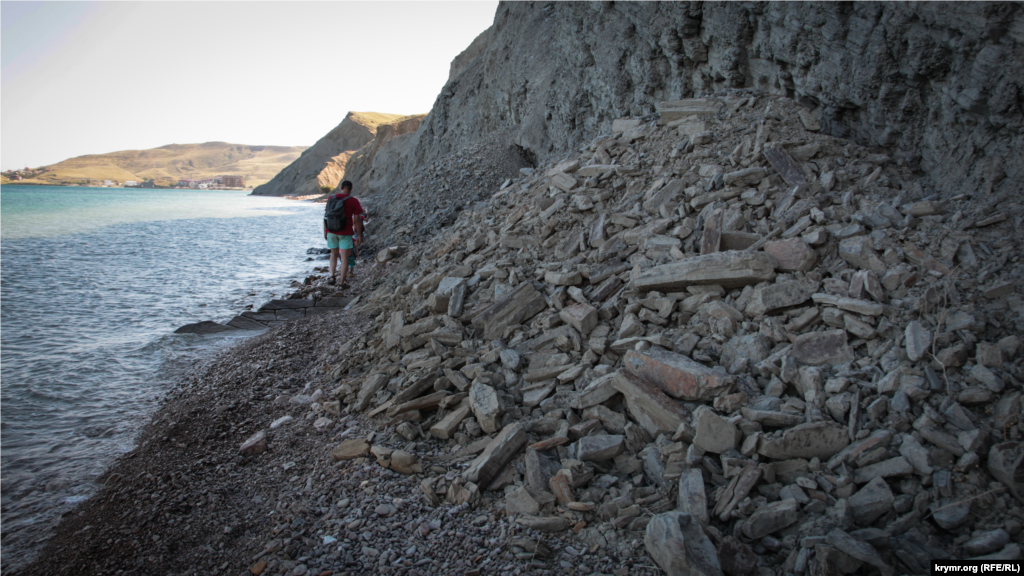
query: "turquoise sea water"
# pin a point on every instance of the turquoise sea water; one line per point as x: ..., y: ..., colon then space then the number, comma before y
x: 93, y: 281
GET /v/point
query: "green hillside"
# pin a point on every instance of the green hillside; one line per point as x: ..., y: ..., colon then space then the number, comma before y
x: 168, y: 164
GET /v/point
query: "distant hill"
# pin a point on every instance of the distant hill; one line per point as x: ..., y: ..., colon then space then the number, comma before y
x: 167, y: 164
x: 325, y: 163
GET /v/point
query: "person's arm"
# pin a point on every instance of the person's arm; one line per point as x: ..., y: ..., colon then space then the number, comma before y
x: 357, y: 224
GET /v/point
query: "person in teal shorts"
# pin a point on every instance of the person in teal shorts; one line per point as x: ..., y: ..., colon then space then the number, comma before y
x: 342, y: 242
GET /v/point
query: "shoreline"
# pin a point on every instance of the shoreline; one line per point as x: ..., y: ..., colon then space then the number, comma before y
x: 146, y: 444
x: 184, y: 501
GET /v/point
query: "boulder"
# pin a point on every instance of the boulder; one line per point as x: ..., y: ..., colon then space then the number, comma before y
x: 254, y: 445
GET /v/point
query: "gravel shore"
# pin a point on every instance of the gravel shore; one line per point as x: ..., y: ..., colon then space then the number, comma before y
x: 185, y: 502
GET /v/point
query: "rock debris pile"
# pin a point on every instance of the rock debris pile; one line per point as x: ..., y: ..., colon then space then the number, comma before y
x: 749, y: 346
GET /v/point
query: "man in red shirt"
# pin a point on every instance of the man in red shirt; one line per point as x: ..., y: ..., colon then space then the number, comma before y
x: 341, y: 241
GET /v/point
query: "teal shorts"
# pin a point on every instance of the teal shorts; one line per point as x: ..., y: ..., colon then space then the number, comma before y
x: 341, y: 242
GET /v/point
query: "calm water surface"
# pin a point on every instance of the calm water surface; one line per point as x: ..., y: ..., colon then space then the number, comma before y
x: 93, y: 281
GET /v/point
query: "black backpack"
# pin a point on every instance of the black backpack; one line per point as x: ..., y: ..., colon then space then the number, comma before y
x: 336, y: 219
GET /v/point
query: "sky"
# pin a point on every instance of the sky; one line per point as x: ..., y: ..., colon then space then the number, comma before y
x: 95, y: 77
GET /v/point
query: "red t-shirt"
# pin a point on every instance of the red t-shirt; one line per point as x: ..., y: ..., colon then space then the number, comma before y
x: 352, y: 208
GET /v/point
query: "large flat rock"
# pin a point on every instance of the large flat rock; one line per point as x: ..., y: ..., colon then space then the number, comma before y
x: 677, y: 375
x: 522, y: 304
x: 649, y: 406
x: 733, y: 269
x: 204, y: 327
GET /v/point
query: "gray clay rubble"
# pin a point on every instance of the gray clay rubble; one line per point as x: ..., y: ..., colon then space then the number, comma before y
x: 752, y: 347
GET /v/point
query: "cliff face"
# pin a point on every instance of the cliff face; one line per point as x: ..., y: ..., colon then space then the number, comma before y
x: 938, y: 84
x: 324, y: 163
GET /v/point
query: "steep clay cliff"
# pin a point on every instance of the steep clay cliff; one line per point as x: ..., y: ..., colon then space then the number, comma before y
x: 937, y: 84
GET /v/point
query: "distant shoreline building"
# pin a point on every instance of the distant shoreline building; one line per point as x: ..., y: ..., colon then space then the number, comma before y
x: 225, y: 181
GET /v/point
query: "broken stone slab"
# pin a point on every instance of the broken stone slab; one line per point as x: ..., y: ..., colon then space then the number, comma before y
x: 1012, y: 551
x: 752, y: 348
x: 871, y: 501
x: 793, y: 255
x: 922, y: 208
x: 350, y: 449
x: 745, y: 177
x: 918, y: 340
x: 562, y: 181
x: 486, y: 406
x: 519, y: 501
x: 287, y: 304
x: 768, y: 298
x: 857, y: 549
x: 422, y: 403
x: 540, y: 466
x: 1006, y: 464
x: 950, y: 514
x: 673, y: 110
x: 737, y: 558
x: 371, y: 385
x: 737, y: 491
x: 562, y: 278
x: 785, y: 165
x: 712, y: 237
x: 812, y: 440
x: 499, y: 451
x: 536, y: 392
x: 398, y: 460
x: 692, y: 498
x: 582, y: 317
x: 597, y: 392
x: 714, y: 433
x: 545, y: 523
x: 733, y: 240
x: 654, y: 411
x: 733, y: 269
x: 771, y: 418
x: 522, y: 304
x: 860, y: 252
x: 205, y: 327
x: 865, y: 307
x: 243, y: 323
x: 897, y: 466
x: 677, y: 543
x: 987, y: 542
x: 826, y: 347
x: 254, y: 445
x: 771, y: 518
x: 597, y: 448
x: 446, y: 427
x: 916, y: 454
x: 677, y: 375
x: 614, y: 422
x: 607, y: 270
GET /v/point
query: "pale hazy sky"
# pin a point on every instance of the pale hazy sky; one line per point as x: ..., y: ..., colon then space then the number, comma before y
x: 94, y: 77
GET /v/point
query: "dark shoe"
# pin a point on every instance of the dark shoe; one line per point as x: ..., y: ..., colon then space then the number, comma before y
x: 345, y: 285
x: 331, y: 281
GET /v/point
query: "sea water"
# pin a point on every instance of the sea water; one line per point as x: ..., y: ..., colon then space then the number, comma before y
x: 93, y: 283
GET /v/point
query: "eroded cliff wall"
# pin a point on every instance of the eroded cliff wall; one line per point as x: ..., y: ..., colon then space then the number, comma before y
x: 323, y: 164
x: 938, y: 84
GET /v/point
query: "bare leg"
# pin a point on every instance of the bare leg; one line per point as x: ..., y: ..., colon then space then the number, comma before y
x: 334, y: 261
x: 343, y: 255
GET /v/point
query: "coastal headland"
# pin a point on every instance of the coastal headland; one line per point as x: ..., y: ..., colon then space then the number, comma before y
x: 678, y: 320
x: 164, y: 166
